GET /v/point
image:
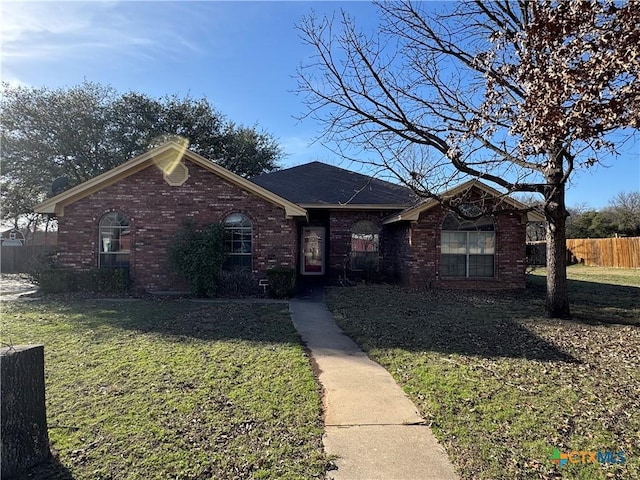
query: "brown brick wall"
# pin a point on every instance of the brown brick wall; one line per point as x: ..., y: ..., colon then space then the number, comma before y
x: 420, y: 268
x: 396, y: 252
x: 340, y: 223
x: 410, y: 252
x: 156, y: 210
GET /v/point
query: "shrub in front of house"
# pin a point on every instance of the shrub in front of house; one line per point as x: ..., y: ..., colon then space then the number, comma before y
x: 57, y: 280
x: 282, y: 282
x: 366, y: 269
x: 108, y: 280
x: 198, y: 253
x: 41, y: 265
x: 239, y: 282
x: 51, y: 278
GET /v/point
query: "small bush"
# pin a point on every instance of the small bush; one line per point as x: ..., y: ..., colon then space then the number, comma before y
x: 368, y: 271
x: 109, y: 280
x: 282, y: 282
x: 51, y: 278
x: 238, y: 282
x: 106, y: 280
x: 57, y: 280
x: 41, y: 265
x: 198, y: 254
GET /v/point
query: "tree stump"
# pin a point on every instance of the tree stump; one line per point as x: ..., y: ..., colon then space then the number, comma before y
x: 24, y: 436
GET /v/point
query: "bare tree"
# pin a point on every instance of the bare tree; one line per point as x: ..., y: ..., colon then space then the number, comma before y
x: 518, y: 94
x: 625, y: 212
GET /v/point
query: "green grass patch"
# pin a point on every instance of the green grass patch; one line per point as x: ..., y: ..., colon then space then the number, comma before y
x: 598, y: 294
x: 173, y: 389
x: 501, y: 385
x: 602, y: 275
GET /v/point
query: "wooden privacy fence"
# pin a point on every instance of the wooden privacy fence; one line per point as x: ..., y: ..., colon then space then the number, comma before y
x: 605, y: 252
x: 598, y: 252
x: 19, y: 259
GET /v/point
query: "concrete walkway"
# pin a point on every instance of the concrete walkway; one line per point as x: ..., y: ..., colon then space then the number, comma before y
x: 371, y: 426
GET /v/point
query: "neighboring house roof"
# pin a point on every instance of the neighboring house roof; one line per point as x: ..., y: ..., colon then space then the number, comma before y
x: 31, y: 238
x: 317, y: 184
x: 168, y: 152
x: 8, y: 230
x: 413, y: 213
x: 12, y: 237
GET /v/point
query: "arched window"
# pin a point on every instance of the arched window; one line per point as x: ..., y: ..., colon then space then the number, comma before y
x: 238, y: 241
x: 365, y: 243
x: 115, y: 241
x: 467, y: 247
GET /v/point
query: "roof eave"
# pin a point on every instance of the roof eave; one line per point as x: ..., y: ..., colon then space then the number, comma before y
x: 354, y: 206
x: 533, y: 216
x: 412, y: 214
x: 55, y: 205
x: 402, y: 217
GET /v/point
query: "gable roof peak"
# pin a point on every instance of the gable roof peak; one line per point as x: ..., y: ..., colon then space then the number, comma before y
x: 413, y: 212
x: 167, y: 151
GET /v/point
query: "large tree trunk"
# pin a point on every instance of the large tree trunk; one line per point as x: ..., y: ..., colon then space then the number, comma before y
x: 557, y: 302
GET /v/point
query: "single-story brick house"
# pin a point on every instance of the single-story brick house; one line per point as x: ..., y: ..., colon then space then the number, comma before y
x: 319, y: 219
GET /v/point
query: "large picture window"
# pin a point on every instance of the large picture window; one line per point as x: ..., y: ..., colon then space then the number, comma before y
x: 238, y: 241
x: 365, y: 243
x: 467, y: 247
x: 115, y: 241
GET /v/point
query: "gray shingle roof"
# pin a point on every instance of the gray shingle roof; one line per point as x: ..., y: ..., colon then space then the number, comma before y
x: 319, y: 183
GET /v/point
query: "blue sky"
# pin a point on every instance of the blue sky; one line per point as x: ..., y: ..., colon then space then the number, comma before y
x: 241, y: 55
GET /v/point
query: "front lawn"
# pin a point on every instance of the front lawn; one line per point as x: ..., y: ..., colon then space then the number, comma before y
x: 173, y: 389
x: 598, y: 294
x: 502, y: 386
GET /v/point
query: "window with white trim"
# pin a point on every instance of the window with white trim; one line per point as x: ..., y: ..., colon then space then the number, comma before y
x: 115, y: 241
x: 238, y: 235
x: 365, y: 243
x: 467, y: 247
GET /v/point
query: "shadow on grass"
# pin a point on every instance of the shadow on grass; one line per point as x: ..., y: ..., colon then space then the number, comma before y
x: 482, y: 324
x: 52, y: 469
x: 597, y: 302
x: 180, y: 320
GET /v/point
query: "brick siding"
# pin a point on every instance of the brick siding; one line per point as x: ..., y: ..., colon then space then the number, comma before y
x: 340, y: 225
x: 420, y: 266
x: 397, y: 258
x: 409, y: 251
x: 156, y: 210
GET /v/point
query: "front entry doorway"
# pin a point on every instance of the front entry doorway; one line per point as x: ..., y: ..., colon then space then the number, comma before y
x: 312, y: 251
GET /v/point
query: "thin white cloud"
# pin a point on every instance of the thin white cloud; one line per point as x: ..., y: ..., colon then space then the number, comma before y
x: 12, y: 80
x: 22, y: 19
x: 295, y: 145
x: 54, y: 31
